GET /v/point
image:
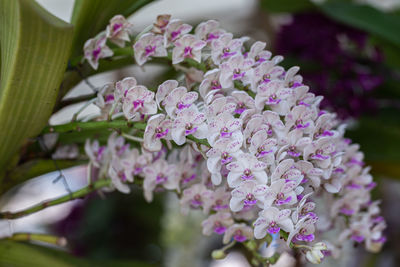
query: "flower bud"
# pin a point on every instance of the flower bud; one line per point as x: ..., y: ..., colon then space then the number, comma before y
x: 315, y: 255
x: 218, y: 254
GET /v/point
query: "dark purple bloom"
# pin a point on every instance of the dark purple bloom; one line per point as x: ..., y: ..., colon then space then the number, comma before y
x: 343, y: 71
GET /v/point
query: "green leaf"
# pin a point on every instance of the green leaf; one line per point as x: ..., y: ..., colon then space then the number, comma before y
x: 20, y: 255
x: 391, y: 51
x: 35, y: 48
x: 291, y: 6
x: 385, y: 168
x: 89, y: 17
x: 365, y: 18
x: 379, y: 139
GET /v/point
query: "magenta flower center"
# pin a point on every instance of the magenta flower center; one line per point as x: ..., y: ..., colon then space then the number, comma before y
x: 150, y: 50
x: 247, y: 175
x: 96, y: 53
x: 187, y: 52
x: 117, y: 27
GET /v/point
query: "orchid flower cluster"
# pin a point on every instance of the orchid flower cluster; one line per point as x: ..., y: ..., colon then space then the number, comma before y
x: 244, y: 141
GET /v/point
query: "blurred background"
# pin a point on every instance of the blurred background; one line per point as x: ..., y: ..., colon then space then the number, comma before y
x: 348, y: 51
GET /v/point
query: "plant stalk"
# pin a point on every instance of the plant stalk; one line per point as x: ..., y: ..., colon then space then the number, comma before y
x: 56, y: 201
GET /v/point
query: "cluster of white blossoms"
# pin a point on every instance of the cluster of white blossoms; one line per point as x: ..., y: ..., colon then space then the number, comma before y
x: 118, y: 32
x: 244, y: 141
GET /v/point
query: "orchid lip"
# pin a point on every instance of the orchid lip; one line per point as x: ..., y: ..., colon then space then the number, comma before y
x: 109, y: 98
x: 293, y: 153
x: 160, y: 179
x: 212, y: 36
x: 138, y: 104
x: 306, y: 238
x: 216, y: 87
x: 310, y: 214
x: 192, y: 177
x: 238, y: 76
x: 220, y: 207
x: 240, y: 110
x: 162, y: 134
x: 273, y: 229
x: 296, y: 84
x: 226, y: 134
x: 266, y: 80
x: 227, y: 54
x: 96, y: 53
x: 100, y: 153
x: 378, y: 219
x: 319, y: 157
x: 338, y: 170
x: 279, y: 202
x: 261, y: 59
x: 227, y: 160
x: 250, y: 202
x: 353, y: 186
x: 327, y: 133
x: 187, y: 51
x: 371, y: 185
x: 196, y: 203
x: 304, y: 104
x: 116, y: 27
x: 263, y: 153
x: 346, y: 211
x: 272, y: 101
x: 122, y: 149
x: 182, y: 106
x: 380, y: 240
x: 220, y: 230
x: 175, y: 34
x: 247, y: 177
x: 357, y: 162
x: 305, y: 180
x: 357, y: 238
x: 137, y: 170
x: 302, y: 126
x: 187, y: 132
x: 149, y: 50
x: 240, y: 238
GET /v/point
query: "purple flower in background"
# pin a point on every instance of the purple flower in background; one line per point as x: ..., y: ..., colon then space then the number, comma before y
x: 345, y: 70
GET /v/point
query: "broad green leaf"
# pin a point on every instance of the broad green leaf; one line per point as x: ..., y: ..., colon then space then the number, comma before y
x: 291, y: 6
x: 35, y: 47
x: 365, y: 18
x: 20, y: 255
x: 89, y: 17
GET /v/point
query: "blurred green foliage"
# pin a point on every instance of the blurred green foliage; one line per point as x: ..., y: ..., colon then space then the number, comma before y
x: 21, y: 255
x: 118, y: 227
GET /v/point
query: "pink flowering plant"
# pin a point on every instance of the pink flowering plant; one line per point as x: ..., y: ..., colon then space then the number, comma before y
x: 264, y: 155
x: 239, y: 138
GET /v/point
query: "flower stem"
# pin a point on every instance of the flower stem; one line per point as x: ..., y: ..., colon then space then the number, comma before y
x: 92, y: 125
x: 133, y: 138
x: 198, y: 141
x: 56, y: 201
x: 45, y: 238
